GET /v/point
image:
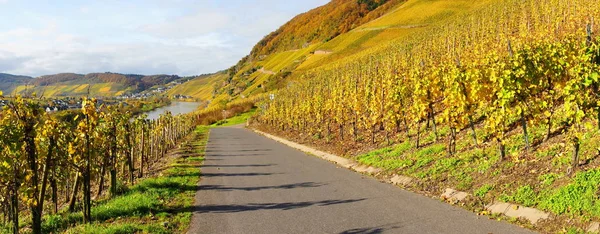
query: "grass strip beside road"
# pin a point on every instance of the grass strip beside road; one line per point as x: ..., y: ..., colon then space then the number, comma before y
x: 235, y: 120
x: 160, y: 204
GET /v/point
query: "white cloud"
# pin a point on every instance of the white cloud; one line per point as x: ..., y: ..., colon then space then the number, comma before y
x: 32, y: 52
x: 84, y: 9
x: 146, y: 39
x: 10, y: 61
x: 193, y: 25
x: 125, y: 58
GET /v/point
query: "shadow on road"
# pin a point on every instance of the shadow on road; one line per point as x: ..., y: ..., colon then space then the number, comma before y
x: 371, y: 230
x: 213, y: 159
x: 233, y: 151
x: 236, y: 174
x: 164, y: 185
x: 229, y: 145
x: 225, y: 138
x: 234, y: 155
x: 285, y: 186
x: 243, y: 165
x: 268, y: 206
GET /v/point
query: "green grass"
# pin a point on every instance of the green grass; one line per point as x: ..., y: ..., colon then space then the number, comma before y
x: 483, y: 190
x: 121, y: 228
x: 430, y: 150
x: 548, y: 179
x: 155, y: 205
x: 524, y: 195
x: 486, y: 159
x: 580, y: 196
x: 466, y: 182
x: 238, y: 119
x: 424, y: 157
x: 445, y: 164
x: 549, y: 152
x: 387, y: 158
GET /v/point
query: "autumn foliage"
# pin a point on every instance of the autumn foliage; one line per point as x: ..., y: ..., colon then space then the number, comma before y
x: 322, y: 24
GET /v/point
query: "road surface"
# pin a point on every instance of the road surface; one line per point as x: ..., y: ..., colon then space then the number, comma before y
x: 251, y: 184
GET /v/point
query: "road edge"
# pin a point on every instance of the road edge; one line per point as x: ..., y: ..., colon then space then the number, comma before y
x: 341, y: 161
x: 452, y: 197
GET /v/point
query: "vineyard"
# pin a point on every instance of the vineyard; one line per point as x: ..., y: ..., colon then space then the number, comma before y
x: 515, y: 65
x: 538, y: 61
x: 48, y: 163
x: 501, y: 101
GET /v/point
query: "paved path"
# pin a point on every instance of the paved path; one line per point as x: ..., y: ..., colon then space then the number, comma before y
x: 251, y: 184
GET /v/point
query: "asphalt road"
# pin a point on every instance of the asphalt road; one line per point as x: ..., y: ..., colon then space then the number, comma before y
x: 251, y: 184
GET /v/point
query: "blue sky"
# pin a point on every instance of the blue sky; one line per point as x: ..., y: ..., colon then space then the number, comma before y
x: 142, y: 36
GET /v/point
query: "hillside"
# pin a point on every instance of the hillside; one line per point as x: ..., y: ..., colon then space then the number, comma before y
x: 322, y: 24
x: 98, y: 84
x: 288, y: 53
x: 8, y: 82
x: 498, y: 99
x: 411, y: 18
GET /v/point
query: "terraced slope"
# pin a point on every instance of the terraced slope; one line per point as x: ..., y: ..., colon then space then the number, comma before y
x: 322, y: 24
x: 411, y: 17
x: 272, y: 63
x: 200, y: 87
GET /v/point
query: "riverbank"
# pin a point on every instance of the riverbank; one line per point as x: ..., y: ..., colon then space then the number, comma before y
x: 175, y: 108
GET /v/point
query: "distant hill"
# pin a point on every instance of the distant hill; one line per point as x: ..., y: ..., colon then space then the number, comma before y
x: 57, y: 78
x: 8, y: 82
x: 140, y: 81
x: 71, y: 84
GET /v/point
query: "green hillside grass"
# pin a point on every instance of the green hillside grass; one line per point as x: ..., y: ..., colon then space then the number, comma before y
x: 235, y: 120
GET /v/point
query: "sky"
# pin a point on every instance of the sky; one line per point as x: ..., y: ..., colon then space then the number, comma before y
x: 136, y: 37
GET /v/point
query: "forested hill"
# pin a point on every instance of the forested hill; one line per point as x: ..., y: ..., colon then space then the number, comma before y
x: 106, y: 84
x: 322, y: 24
x: 141, y: 81
x: 8, y: 81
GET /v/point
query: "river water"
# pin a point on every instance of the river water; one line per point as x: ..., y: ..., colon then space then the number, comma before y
x: 175, y: 108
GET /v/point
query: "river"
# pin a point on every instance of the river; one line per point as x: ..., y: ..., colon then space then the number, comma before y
x: 175, y: 108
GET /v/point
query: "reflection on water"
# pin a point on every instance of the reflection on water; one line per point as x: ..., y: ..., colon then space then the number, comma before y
x: 175, y: 108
